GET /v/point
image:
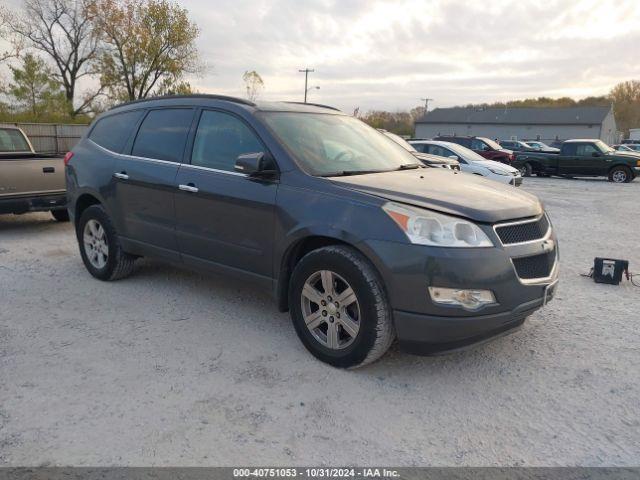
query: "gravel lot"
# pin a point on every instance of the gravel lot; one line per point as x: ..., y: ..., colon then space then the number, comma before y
x: 171, y: 367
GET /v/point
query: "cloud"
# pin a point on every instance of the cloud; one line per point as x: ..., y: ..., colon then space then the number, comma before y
x: 377, y: 54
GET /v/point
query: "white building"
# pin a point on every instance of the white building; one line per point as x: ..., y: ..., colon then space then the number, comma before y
x: 537, y: 123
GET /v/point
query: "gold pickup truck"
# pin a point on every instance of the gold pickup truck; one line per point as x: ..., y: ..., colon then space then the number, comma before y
x: 30, y: 182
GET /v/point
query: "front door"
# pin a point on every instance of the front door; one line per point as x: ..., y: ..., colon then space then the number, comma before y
x: 224, y: 217
x: 582, y: 161
x: 145, y: 179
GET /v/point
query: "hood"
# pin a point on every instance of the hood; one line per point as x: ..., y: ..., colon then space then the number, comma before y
x: 434, y: 159
x: 495, y: 166
x: 505, y: 150
x: 446, y: 191
x: 619, y: 153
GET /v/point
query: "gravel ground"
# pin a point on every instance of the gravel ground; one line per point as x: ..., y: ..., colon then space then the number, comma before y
x: 170, y: 367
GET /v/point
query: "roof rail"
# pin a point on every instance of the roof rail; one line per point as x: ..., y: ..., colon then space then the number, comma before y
x: 195, y: 95
x: 315, y: 105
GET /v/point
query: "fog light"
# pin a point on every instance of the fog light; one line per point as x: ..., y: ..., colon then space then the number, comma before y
x: 467, y: 299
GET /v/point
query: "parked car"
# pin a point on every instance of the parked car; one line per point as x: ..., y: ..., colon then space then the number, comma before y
x: 470, y: 161
x: 485, y: 147
x: 629, y: 147
x: 582, y: 157
x: 29, y: 182
x: 357, y: 239
x: 541, y: 146
x: 514, y: 145
x: 428, y: 160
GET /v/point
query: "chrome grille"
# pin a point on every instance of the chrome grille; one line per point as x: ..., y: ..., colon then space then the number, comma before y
x: 523, y: 231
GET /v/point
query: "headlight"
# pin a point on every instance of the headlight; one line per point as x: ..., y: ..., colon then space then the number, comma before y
x: 499, y: 172
x: 424, y: 227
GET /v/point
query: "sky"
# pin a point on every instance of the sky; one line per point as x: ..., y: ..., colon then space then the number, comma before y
x: 389, y: 54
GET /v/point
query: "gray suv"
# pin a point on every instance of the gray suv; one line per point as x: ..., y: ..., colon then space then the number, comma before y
x: 354, y: 236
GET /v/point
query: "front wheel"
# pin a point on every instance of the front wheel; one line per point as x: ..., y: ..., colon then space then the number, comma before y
x: 525, y: 170
x: 339, y: 307
x: 99, y: 246
x: 620, y: 175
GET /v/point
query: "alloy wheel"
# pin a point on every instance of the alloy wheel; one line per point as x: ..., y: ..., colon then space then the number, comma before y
x: 330, y: 309
x: 95, y: 244
x: 619, y: 176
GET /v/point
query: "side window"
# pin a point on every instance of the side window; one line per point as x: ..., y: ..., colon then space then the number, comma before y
x: 568, y: 149
x: 163, y: 134
x: 585, y: 150
x: 220, y: 138
x: 112, y: 132
x: 478, y: 145
x: 11, y: 140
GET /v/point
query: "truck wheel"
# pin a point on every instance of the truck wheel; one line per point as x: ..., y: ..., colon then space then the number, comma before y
x: 339, y: 307
x: 99, y: 246
x: 60, y: 215
x: 525, y: 170
x: 620, y: 175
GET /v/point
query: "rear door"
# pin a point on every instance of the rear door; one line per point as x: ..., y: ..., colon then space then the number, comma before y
x: 146, y: 177
x: 224, y: 217
x: 23, y: 173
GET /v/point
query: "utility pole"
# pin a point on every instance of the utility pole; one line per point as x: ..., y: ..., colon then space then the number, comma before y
x: 426, y: 103
x: 306, y: 72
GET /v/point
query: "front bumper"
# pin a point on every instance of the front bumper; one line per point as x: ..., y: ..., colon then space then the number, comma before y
x: 425, y: 327
x: 516, y: 181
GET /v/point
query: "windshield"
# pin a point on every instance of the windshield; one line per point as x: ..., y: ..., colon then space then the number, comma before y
x: 400, y: 141
x: 491, y: 143
x: 330, y: 145
x: 465, y: 153
x: 603, y: 147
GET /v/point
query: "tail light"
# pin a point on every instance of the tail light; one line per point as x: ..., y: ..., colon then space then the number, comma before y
x: 68, y: 158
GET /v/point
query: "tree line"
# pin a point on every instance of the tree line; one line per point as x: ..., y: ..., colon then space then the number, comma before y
x: 625, y: 98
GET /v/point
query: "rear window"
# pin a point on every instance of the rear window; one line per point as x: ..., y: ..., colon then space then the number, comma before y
x: 11, y: 140
x: 112, y: 132
x: 163, y: 134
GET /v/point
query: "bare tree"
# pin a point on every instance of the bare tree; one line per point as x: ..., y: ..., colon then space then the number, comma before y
x: 5, y: 33
x: 63, y: 30
x: 253, y: 84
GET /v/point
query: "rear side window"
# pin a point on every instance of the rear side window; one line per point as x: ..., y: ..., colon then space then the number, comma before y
x: 12, y: 140
x: 220, y: 139
x: 112, y: 132
x: 569, y: 149
x: 163, y: 134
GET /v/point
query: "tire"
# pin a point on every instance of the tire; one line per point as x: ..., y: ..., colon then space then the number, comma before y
x: 368, y: 309
x: 117, y: 264
x: 620, y: 174
x: 60, y: 215
x: 525, y: 170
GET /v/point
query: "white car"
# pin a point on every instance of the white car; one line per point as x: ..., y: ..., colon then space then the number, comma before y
x: 470, y: 161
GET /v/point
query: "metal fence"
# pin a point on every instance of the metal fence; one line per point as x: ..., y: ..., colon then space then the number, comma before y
x: 51, y: 137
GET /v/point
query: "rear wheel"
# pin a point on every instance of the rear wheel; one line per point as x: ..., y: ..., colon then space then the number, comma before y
x: 60, y: 215
x: 620, y: 175
x: 99, y: 246
x: 339, y: 307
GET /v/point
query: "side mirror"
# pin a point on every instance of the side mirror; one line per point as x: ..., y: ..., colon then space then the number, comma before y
x: 255, y: 165
x: 454, y: 157
x: 596, y: 154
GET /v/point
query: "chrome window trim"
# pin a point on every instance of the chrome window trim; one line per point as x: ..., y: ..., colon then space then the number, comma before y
x: 546, y: 235
x: 169, y: 162
x: 216, y: 170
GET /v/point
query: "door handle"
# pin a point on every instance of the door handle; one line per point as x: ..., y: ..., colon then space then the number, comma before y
x: 48, y: 170
x: 189, y: 188
x: 121, y: 175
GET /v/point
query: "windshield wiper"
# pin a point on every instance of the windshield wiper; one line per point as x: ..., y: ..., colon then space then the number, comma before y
x: 410, y: 166
x: 346, y: 173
